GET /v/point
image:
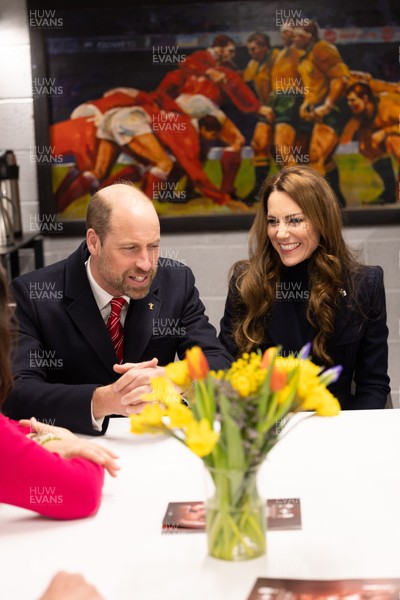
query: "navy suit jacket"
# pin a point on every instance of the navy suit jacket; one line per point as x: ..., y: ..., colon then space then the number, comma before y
x: 359, y: 341
x: 64, y: 350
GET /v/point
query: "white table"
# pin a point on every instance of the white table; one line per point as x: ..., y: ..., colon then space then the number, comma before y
x: 346, y: 470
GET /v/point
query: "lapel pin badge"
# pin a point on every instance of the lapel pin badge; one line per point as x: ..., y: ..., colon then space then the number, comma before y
x: 151, y: 305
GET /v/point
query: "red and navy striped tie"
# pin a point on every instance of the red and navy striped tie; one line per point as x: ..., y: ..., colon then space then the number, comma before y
x: 115, y: 328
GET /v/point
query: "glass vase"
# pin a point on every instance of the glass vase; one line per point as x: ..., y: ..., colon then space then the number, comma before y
x: 235, y: 515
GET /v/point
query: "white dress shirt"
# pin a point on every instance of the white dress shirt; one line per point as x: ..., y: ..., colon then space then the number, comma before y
x: 103, y: 300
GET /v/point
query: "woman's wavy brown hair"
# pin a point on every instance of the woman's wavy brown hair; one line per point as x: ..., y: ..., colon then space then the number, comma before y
x: 6, y: 312
x: 332, y: 261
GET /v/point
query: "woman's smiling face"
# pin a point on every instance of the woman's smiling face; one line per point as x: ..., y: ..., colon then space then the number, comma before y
x: 292, y: 235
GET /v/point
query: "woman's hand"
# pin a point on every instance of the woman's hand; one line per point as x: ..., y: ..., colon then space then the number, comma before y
x: 71, y: 448
x: 70, y: 586
x: 37, y: 429
x: 69, y: 445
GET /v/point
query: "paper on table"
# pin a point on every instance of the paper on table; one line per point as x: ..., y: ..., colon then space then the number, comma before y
x: 343, y: 589
x: 187, y: 517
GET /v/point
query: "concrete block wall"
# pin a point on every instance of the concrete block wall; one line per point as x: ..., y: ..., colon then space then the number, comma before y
x: 210, y: 255
x: 16, y: 103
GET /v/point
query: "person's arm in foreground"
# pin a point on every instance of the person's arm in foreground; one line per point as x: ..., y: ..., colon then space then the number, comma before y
x: 40, y: 479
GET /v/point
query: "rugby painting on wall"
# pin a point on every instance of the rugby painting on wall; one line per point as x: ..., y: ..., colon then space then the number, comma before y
x: 197, y: 103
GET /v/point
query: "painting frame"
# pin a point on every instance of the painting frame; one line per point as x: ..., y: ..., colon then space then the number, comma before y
x: 358, y: 216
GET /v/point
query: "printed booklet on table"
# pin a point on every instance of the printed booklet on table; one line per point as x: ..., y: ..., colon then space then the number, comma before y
x: 343, y: 589
x: 282, y: 513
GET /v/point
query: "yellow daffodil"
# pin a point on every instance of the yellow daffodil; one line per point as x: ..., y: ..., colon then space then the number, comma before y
x: 329, y: 408
x: 308, y: 379
x: 283, y: 394
x: 149, y: 420
x: 179, y: 416
x: 163, y: 391
x: 197, y: 363
x: 200, y: 438
x: 308, y: 373
x: 288, y: 363
x: 322, y: 401
x: 137, y: 426
x: 178, y: 373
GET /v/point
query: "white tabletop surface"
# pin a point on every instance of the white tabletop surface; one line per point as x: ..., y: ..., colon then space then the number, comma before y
x: 345, y: 469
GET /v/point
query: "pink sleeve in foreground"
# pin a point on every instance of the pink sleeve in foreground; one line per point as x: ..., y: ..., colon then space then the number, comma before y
x: 41, y: 481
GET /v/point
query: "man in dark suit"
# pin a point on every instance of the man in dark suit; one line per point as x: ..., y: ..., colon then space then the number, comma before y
x: 97, y: 326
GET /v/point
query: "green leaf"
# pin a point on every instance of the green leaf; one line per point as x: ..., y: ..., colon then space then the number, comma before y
x: 265, y: 392
x: 204, y: 404
x: 231, y: 433
x: 287, y: 406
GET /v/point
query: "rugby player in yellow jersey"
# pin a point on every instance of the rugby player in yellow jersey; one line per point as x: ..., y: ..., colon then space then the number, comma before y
x: 257, y: 75
x: 285, y: 100
x: 382, y: 164
x: 379, y: 126
x: 325, y: 76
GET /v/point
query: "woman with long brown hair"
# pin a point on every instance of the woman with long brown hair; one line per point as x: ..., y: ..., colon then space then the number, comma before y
x: 34, y: 472
x: 303, y: 284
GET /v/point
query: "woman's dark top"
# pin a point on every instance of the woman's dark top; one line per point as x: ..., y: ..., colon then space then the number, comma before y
x: 358, y: 343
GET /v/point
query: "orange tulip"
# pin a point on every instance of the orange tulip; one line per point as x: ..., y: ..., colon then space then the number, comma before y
x: 278, y: 376
x: 267, y: 357
x: 278, y: 379
x: 197, y: 363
